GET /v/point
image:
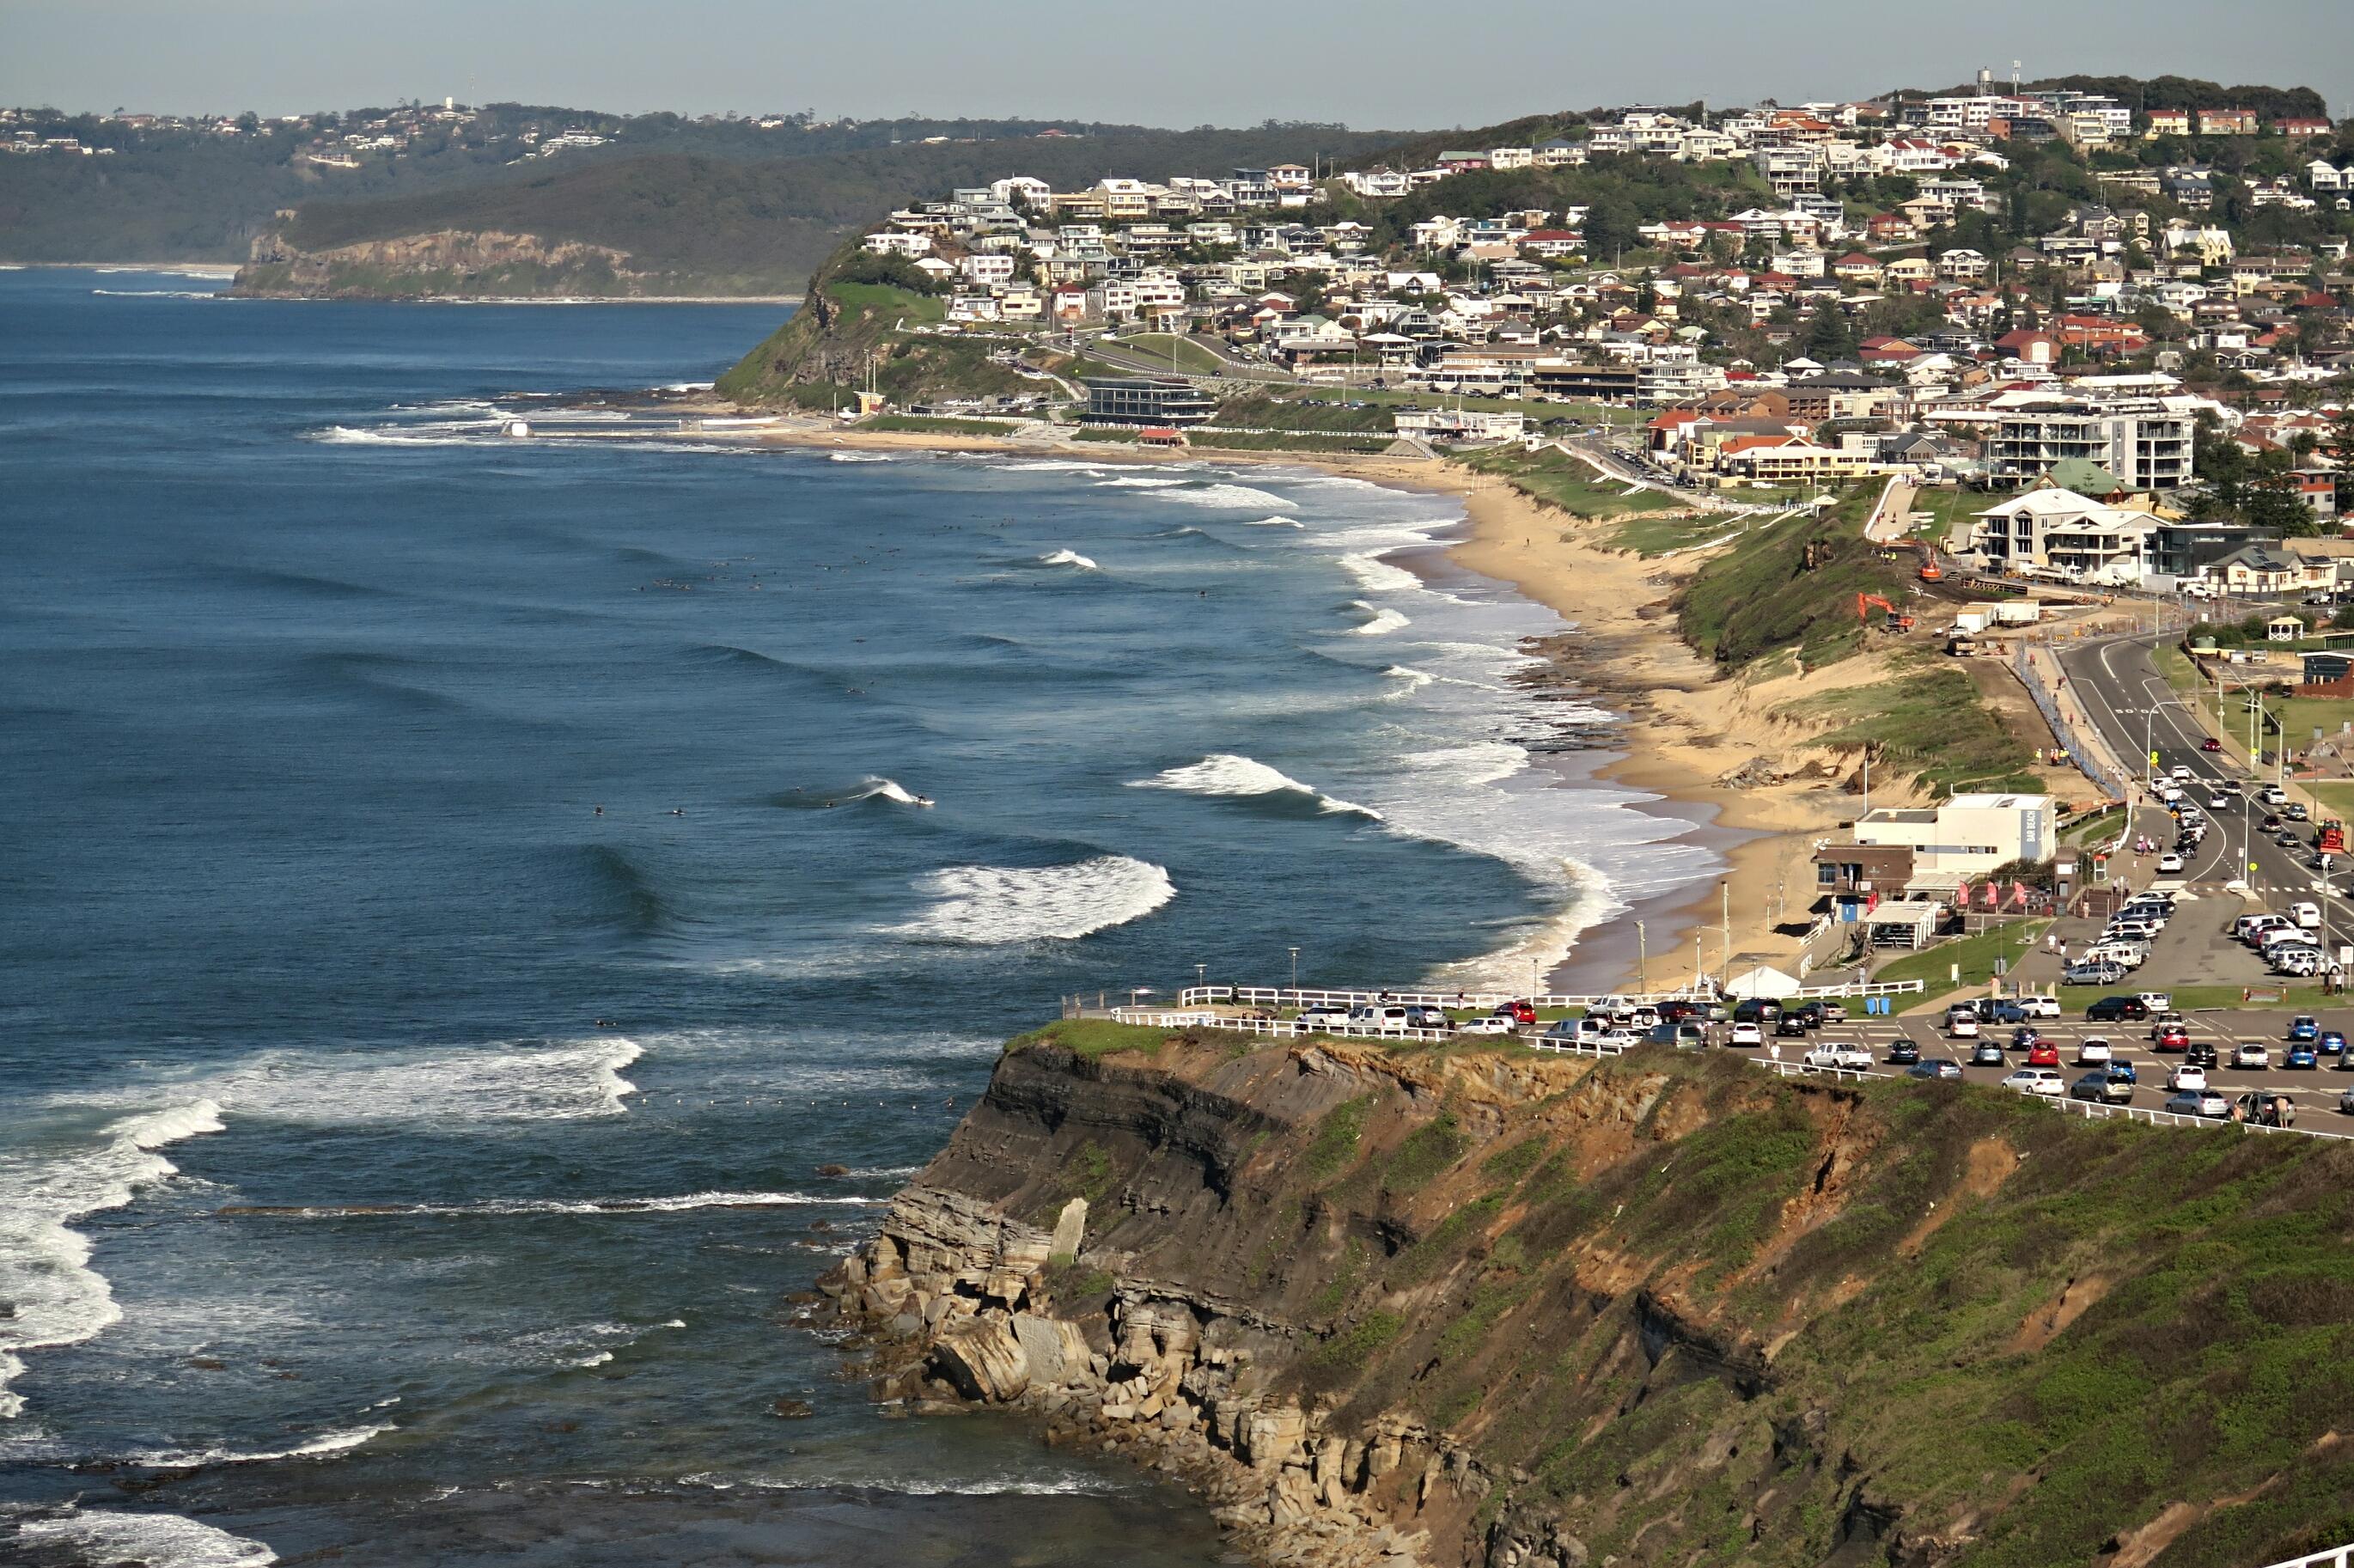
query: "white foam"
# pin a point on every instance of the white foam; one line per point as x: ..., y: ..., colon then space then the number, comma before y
x: 890, y: 790
x: 318, y: 1447
x: 989, y: 905
x: 1225, y: 773
x: 45, y: 1273
x: 155, y: 1539
x: 1414, y: 679
x: 688, y: 386
x: 1067, y: 1485
x: 1138, y: 481
x: 1224, y: 496
x: 1377, y: 575
x: 507, y: 1081
x: 1385, y: 621
x: 500, y: 1208
x: 1277, y: 523
x: 1068, y: 558
x: 1052, y: 467
x: 158, y: 293
x: 859, y: 457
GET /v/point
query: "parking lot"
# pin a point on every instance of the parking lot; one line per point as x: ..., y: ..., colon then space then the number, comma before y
x: 2316, y: 1094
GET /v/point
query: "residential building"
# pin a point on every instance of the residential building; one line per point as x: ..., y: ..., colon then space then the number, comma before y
x: 2227, y: 122
x: 2145, y: 441
x: 2061, y: 532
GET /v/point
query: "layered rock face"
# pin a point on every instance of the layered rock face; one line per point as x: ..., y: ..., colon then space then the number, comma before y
x: 1498, y: 1307
x: 450, y: 261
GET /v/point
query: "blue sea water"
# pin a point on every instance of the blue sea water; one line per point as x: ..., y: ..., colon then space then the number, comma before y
x: 457, y: 890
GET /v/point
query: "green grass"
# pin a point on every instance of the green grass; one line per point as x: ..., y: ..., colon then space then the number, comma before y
x: 1948, y: 510
x: 1335, y: 1146
x: 1252, y: 440
x: 1192, y: 359
x: 2338, y: 799
x: 1092, y: 1037
x: 1760, y: 598
x: 1559, y: 480
x: 1105, y: 433
x: 1662, y: 535
x: 894, y: 305
x: 1975, y: 953
x: 2294, y: 997
x: 1931, y: 724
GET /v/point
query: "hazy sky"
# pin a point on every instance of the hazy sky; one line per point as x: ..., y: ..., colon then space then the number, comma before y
x: 1372, y: 63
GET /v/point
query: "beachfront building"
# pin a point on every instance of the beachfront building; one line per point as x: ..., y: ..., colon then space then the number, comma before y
x: 2144, y: 442
x: 1971, y: 834
x: 1147, y: 400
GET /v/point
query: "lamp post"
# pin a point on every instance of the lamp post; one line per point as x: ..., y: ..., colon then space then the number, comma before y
x: 1642, y: 960
x: 1295, y: 974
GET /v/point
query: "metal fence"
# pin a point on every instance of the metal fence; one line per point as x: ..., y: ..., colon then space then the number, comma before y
x: 2118, y: 784
x: 1286, y: 996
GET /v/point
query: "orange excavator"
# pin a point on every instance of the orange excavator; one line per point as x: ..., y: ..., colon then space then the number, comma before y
x: 1931, y: 572
x: 1896, y: 622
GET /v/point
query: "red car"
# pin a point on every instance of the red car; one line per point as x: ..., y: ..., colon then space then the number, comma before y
x: 2172, y: 1040
x: 2044, y: 1054
x: 2210, y: 744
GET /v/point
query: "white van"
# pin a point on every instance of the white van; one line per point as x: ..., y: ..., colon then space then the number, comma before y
x: 2307, y: 915
x: 2275, y: 935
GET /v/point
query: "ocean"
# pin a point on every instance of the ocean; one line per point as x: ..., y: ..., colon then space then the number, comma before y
x: 460, y: 890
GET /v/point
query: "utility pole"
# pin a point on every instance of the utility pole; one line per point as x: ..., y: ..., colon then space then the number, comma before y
x: 1725, y: 954
x: 1642, y: 961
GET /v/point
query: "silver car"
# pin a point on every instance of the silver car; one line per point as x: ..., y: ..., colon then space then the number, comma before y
x: 2198, y: 1102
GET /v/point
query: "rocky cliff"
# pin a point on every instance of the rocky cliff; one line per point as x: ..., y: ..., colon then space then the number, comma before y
x: 1480, y: 1306
x: 459, y: 263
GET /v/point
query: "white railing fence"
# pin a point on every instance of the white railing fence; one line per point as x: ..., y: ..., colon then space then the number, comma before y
x: 2335, y: 1557
x: 1286, y: 996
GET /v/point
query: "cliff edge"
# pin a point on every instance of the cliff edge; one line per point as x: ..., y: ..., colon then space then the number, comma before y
x: 1482, y: 1305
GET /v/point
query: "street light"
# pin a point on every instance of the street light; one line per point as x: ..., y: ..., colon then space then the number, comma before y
x: 1295, y: 974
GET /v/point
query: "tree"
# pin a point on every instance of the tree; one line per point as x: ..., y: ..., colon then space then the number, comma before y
x: 1828, y: 336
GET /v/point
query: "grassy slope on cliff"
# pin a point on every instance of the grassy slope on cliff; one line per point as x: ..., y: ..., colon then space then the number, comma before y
x: 1702, y: 1316
x: 855, y: 317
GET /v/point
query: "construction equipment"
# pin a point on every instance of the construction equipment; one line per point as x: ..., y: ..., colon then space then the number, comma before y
x: 2331, y: 839
x: 1931, y: 572
x: 1896, y: 622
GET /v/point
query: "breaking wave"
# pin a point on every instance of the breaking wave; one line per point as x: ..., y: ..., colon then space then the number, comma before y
x: 991, y: 906
x: 155, y: 1539
x: 1385, y: 621
x: 1068, y: 558
x: 1226, y: 774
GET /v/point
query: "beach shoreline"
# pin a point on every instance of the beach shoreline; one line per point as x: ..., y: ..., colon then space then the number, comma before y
x: 1668, y: 743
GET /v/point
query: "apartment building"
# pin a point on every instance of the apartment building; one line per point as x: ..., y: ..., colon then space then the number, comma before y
x: 2059, y: 531
x: 2145, y: 441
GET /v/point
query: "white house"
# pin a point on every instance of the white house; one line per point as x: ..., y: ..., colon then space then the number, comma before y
x: 987, y: 267
x: 2060, y: 531
x: 1971, y: 834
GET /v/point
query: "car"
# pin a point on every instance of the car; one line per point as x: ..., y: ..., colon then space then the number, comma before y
x: 1790, y: 1025
x: 2035, y: 1081
x: 2173, y: 1037
x: 2093, y: 1052
x: 2211, y: 744
x: 2199, y: 1053
x: 1940, y: 1067
x: 2300, y: 1059
x: 1746, y: 1032
x: 2113, y: 1009
x: 1962, y: 1026
x: 2187, y: 1076
x: 2122, y: 1071
x: 1518, y: 1012
x: 2169, y: 864
x: 2305, y: 1026
x: 2022, y: 1036
x: 1488, y: 1023
x: 2044, y: 1054
x: 2295, y: 812
x: 2092, y: 974
x: 2101, y: 1089
x: 1755, y: 1010
x: 2157, y: 1001
x: 2263, y: 1107
x: 1828, y: 1010
x: 1988, y: 1055
x: 2274, y: 795
x: 2217, y: 801
x: 2346, y: 1101
x: 2252, y: 1055
x: 2040, y: 1006
x: 1854, y: 1058
x: 2332, y: 1043
x: 2198, y: 1102
x: 1904, y: 1053
x: 2272, y: 821
x: 2000, y: 1010
x: 1324, y: 1014
x: 2180, y: 771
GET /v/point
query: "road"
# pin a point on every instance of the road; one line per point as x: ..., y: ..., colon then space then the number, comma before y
x: 2118, y: 683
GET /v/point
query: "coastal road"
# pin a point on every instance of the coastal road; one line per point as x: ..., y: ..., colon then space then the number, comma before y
x: 2118, y: 683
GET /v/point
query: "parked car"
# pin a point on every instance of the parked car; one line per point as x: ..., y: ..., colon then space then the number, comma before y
x: 2346, y: 1101
x: 2157, y: 1001
x: 1988, y: 1055
x: 1904, y: 1053
x: 1963, y: 1026
x: 1689, y: 1037
x: 2040, y: 1006
x: 2300, y: 1059
x: 1942, y: 1067
x: 2252, y: 1055
x: 2000, y: 1009
x: 2024, y: 1035
x: 2262, y: 1107
x: 2198, y: 1102
x: 1755, y: 1010
x: 1323, y: 1015
x: 2101, y: 1089
x: 2100, y: 973
x: 1854, y: 1058
x: 2036, y: 1081
x: 1746, y: 1033
x: 1518, y: 1012
x: 2199, y: 1053
x: 2332, y: 1043
x: 2305, y: 1026
x: 1790, y: 1025
x: 2114, y: 1009
x: 2093, y: 1052
x: 2044, y: 1054
x: 1488, y: 1023
x: 2122, y: 1071
x: 2187, y: 1076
